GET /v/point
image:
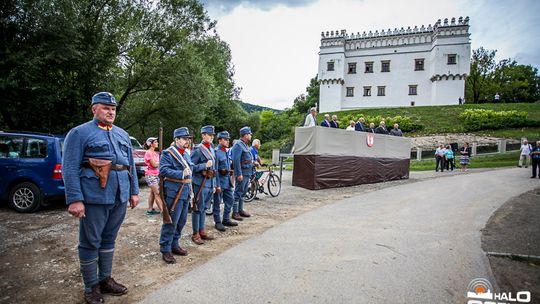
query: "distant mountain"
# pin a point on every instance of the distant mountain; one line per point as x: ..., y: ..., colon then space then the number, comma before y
x: 250, y: 108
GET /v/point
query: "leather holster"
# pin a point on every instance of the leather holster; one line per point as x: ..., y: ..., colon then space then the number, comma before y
x: 101, y: 168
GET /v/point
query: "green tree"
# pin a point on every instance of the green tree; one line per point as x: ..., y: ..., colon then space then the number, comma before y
x: 479, y: 81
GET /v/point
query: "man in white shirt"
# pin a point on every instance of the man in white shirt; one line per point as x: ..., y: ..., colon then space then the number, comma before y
x: 525, y: 150
x: 439, y: 158
x: 310, y: 118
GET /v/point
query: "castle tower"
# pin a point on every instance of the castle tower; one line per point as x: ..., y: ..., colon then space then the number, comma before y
x: 331, y: 70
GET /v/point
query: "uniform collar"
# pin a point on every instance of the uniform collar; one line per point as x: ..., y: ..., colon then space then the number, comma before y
x: 103, y: 126
x: 180, y: 149
x: 222, y: 148
x: 207, y: 145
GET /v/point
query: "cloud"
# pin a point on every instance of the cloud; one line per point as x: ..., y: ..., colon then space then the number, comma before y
x: 225, y: 6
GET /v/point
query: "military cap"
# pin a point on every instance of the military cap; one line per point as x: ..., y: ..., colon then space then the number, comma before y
x: 223, y: 134
x: 181, y: 132
x: 105, y: 98
x: 208, y: 130
x: 245, y: 130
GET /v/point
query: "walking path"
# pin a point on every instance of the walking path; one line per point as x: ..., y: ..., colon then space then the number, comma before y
x: 414, y: 243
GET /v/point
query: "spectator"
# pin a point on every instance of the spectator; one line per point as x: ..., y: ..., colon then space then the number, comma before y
x: 334, y: 123
x: 497, y: 97
x: 326, y: 121
x: 396, y: 131
x: 535, y: 155
x: 449, y: 158
x: 351, y: 126
x: 525, y: 154
x: 255, y: 146
x: 360, y: 125
x: 440, y: 154
x: 465, y: 155
x: 371, y: 128
x: 151, y: 175
x: 381, y: 129
x: 310, y: 118
x: 460, y: 100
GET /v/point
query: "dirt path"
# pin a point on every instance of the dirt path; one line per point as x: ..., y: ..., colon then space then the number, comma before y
x: 38, y: 252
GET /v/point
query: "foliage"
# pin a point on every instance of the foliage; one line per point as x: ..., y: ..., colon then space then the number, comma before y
x: 480, y: 119
x: 162, y: 60
x: 513, y: 82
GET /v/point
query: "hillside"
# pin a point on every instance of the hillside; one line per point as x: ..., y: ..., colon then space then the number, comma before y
x: 250, y: 108
x: 445, y: 119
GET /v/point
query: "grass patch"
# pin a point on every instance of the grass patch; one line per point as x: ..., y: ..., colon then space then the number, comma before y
x: 483, y: 161
x: 445, y: 119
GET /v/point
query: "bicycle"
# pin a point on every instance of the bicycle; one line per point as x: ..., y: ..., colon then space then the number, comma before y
x: 257, y: 181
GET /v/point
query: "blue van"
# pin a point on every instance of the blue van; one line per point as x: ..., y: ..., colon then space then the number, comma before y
x: 31, y: 166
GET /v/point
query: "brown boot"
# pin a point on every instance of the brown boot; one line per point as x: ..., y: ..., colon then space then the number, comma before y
x: 205, y: 235
x: 94, y: 297
x: 236, y: 216
x: 179, y: 251
x: 196, y: 238
x: 244, y: 214
x: 110, y: 286
x: 168, y: 258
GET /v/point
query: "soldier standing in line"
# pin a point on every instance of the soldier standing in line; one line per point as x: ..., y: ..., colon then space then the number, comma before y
x: 100, y: 178
x: 225, y: 184
x: 175, y: 169
x: 203, y: 157
x: 243, y: 169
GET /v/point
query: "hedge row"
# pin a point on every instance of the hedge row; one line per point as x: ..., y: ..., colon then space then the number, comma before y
x: 480, y: 119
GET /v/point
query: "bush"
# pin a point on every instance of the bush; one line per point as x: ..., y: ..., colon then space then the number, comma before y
x: 406, y: 124
x: 479, y: 119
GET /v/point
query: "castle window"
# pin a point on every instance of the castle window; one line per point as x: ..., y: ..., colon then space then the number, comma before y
x: 369, y: 67
x: 452, y: 59
x: 352, y: 68
x: 367, y: 91
x: 412, y: 89
x: 385, y: 66
x: 350, y: 91
x: 330, y: 66
x: 381, y: 91
x: 419, y: 64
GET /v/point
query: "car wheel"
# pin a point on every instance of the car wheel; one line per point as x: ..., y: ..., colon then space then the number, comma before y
x: 25, y: 197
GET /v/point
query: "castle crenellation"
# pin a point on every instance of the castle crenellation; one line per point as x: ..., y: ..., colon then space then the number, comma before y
x: 397, y: 36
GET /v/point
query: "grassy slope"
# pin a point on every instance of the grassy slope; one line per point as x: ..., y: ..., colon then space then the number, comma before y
x: 444, y: 119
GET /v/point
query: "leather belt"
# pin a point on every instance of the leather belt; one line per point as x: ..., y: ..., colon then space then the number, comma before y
x: 115, y: 167
x: 208, y: 173
x: 180, y: 181
x: 226, y: 172
x: 246, y: 162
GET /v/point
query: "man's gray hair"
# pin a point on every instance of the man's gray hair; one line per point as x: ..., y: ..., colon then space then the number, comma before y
x: 256, y: 142
x: 313, y: 109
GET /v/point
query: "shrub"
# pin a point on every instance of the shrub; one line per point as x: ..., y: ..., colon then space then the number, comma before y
x: 480, y: 119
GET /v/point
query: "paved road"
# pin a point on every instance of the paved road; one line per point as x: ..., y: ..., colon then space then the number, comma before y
x: 415, y: 243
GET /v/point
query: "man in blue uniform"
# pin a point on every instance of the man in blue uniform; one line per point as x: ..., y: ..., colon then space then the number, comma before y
x: 243, y: 169
x: 203, y: 157
x: 225, y: 183
x: 100, y: 178
x: 175, y: 169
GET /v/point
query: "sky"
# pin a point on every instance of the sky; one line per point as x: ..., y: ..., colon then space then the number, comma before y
x: 275, y: 43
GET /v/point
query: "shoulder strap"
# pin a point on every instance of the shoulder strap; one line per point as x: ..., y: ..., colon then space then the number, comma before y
x: 174, y: 153
x: 206, y: 152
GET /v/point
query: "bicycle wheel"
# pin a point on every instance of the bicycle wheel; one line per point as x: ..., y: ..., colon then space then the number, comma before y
x: 274, y: 185
x: 251, y: 192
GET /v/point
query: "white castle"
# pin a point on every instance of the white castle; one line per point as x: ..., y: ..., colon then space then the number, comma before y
x: 417, y: 66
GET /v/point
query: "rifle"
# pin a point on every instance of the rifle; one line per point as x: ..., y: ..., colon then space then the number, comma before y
x: 166, y: 215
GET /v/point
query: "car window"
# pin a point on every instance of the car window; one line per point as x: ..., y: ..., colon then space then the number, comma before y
x: 11, y: 146
x: 135, y: 143
x: 35, y: 148
x: 61, y: 140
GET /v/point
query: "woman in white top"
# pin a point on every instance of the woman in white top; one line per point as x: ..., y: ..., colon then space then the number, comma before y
x: 351, y: 126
